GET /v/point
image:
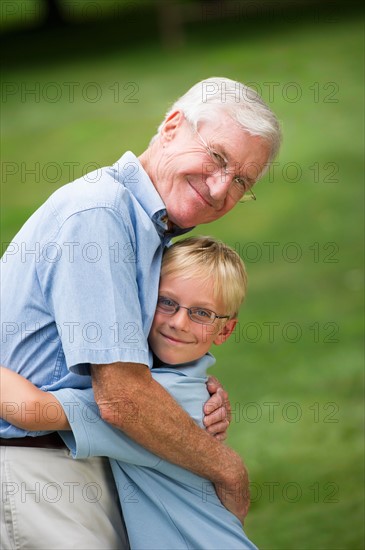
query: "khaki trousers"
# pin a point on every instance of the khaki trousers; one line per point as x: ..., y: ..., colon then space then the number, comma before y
x: 51, y: 501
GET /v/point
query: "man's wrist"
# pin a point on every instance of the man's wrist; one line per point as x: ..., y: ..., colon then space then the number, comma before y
x: 228, y: 468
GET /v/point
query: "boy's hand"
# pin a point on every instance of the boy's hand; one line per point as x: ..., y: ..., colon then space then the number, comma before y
x: 217, y: 410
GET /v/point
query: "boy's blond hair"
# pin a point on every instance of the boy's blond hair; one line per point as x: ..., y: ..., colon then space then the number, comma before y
x: 206, y: 257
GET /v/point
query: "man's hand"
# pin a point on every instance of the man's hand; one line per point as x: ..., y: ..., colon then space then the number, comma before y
x: 234, y: 492
x: 217, y: 410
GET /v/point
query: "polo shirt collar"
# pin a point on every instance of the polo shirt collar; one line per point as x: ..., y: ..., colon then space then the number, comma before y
x: 195, y: 368
x: 130, y: 172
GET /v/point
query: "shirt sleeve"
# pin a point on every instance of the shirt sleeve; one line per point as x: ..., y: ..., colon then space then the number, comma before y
x: 91, y: 436
x: 89, y: 281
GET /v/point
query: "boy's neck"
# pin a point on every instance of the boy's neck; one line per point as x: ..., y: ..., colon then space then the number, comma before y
x: 157, y: 361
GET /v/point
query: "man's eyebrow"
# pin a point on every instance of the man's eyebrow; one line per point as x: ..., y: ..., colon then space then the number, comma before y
x: 221, y: 150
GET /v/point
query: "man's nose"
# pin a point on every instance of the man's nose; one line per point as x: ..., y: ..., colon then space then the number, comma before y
x: 218, y: 184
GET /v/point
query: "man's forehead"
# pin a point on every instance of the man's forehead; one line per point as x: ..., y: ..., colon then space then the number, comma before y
x: 227, y: 134
x: 232, y: 147
x: 246, y: 154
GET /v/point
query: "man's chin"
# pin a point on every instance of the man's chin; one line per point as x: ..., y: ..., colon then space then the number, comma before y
x: 186, y: 223
x: 180, y: 224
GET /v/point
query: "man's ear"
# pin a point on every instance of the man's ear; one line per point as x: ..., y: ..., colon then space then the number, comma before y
x: 225, y: 332
x: 171, y: 125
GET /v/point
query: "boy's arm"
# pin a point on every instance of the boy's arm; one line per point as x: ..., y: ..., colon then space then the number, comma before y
x: 27, y: 407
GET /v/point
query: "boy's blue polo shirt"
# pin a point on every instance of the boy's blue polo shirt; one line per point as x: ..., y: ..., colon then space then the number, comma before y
x: 80, y: 279
x: 164, y: 506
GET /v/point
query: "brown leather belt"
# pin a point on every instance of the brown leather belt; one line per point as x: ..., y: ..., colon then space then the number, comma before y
x: 49, y: 441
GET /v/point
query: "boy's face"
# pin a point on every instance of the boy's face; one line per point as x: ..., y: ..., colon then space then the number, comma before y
x: 176, y: 338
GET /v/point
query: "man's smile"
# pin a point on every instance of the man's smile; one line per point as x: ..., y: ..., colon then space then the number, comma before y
x: 201, y: 197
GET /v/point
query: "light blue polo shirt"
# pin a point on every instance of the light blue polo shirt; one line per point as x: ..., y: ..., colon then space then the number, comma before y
x: 79, y: 281
x: 164, y: 506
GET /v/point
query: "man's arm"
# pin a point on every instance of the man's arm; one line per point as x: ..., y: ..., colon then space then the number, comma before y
x: 131, y: 400
x: 27, y: 407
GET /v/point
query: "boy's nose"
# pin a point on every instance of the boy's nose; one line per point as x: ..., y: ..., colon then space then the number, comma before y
x: 180, y: 319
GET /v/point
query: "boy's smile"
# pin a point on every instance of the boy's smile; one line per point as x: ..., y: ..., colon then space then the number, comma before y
x: 177, y: 338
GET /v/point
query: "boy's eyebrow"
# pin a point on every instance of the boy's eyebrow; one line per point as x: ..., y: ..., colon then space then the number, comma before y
x: 172, y: 295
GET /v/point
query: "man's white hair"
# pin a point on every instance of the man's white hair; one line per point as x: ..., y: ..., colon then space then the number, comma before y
x: 218, y: 95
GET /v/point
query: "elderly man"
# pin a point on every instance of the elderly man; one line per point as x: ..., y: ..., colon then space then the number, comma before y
x: 80, y: 285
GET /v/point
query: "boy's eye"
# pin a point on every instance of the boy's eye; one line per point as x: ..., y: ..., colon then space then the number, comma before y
x: 202, y: 313
x: 166, y: 301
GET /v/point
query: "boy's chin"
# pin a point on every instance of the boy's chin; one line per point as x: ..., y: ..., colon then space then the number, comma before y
x: 166, y: 360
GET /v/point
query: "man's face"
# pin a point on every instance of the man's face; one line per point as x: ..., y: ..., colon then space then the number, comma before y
x: 201, y: 176
x: 176, y: 338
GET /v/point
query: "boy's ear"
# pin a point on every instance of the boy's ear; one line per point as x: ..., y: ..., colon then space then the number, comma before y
x: 226, y: 332
x: 171, y: 125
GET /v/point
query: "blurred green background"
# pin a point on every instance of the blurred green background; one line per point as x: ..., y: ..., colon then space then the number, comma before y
x: 78, y: 94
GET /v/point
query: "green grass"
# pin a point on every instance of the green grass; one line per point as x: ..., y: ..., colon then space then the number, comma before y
x: 294, y: 366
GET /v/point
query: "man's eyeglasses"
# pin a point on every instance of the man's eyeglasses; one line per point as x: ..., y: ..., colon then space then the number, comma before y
x: 238, y: 189
x: 197, y: 314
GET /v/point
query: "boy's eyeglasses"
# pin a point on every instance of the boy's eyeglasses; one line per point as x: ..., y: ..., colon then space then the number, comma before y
x: 197, y: 314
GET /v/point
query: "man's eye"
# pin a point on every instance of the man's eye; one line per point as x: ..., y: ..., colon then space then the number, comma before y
x: 218, y: 159
x: 240, y: 182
